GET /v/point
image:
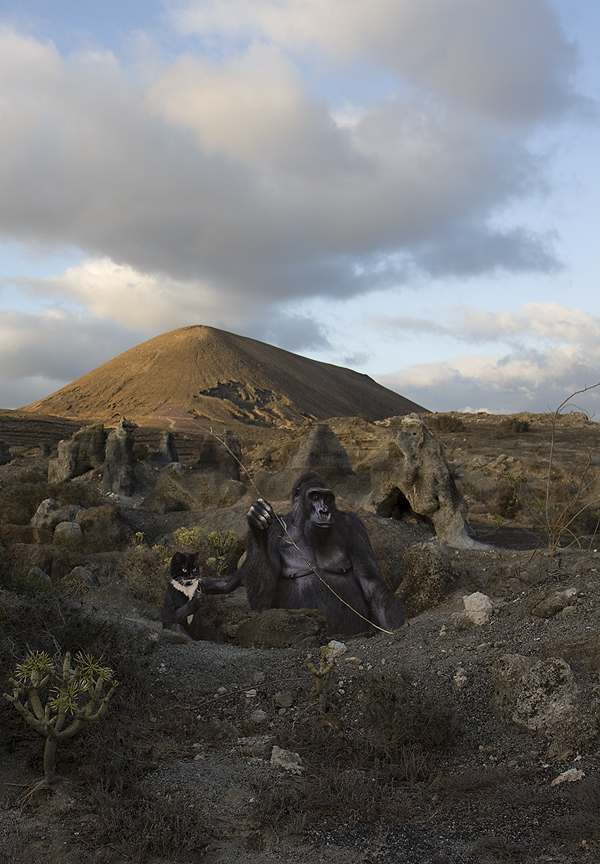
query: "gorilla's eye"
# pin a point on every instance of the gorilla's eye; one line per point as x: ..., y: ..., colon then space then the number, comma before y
x: 314, y: 496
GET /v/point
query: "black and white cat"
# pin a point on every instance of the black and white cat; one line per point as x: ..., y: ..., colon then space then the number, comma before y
x: 183, y: 599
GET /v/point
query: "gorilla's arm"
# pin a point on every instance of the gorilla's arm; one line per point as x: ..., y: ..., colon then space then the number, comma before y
x: 258, y: 573
x: 386, y: 609
x: 227, y: 585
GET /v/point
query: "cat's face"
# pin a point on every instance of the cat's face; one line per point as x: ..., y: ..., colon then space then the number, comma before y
x: 185, y: 568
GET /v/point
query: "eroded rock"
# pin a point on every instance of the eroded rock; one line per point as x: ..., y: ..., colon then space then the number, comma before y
x: 81, y: 453
x: 180, y: 488
x: 414, y: 466
x: 51, y: 512
x: 534, y: 695
x: 119, y: 475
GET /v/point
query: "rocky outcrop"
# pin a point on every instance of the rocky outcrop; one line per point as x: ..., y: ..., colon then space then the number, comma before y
x: 81, y: 453
x: 319, y: 451
x: 166, y: 453
x: 119, y: 460
x: 180, y: 488
x: 542, y: 696
x: 414, y: 468
x: 51, y: 512
x: 223, y: 452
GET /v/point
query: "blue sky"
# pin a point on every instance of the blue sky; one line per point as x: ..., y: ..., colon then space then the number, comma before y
x: 407, y: 187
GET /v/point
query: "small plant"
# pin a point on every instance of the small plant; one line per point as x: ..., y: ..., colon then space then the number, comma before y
x: 218, y: 544
x: 324, y: 674
x: 444, y: 423
x: 512, y: 426
x: 145, y: 569
x: 192, y: 537
x: 73, y: 698
x: 215, y: 544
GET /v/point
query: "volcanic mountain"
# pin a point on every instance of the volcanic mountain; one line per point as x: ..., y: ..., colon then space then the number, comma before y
x: 219, y: 377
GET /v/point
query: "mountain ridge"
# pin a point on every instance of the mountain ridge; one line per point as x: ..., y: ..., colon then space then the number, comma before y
x: 219, y: 376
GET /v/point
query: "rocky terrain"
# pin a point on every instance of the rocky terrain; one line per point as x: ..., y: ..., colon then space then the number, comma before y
x: 467, y: 737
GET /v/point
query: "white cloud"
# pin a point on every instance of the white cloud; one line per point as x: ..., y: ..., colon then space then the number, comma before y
x: 58, y: 346
x: 235, y: 176
x: 552, y: 352
x: 299, y: 149
x: 507, y: 59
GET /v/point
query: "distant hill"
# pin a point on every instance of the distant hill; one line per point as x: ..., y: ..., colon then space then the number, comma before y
x: 220, y: 377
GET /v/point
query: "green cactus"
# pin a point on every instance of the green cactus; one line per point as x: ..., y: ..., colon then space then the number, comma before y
x: 73, y: 697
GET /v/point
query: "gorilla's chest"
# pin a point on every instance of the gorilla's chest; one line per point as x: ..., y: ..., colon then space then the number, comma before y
x: 298, y: 557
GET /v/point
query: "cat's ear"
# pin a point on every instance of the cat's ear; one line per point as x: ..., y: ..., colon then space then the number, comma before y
x: 177, y: 562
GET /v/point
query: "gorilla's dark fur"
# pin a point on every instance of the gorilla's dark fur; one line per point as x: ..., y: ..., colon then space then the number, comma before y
x: 278, y: 571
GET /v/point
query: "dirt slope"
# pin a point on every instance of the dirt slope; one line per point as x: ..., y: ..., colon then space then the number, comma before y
x: 221, y: 377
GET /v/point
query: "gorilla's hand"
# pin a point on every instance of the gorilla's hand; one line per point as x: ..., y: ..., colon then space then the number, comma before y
x: 260, y: 515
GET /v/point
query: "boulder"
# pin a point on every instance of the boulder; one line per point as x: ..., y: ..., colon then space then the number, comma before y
x: 547, y: 605
x: 281, y: 628
x: 18, y: 534
x: 103, y: 526
x: 30, y: 556
x: 119, y: 460
x: 428, y: 577
x: 534, y: 695
x: 81, y: 453
x: 50, y: 512
x: 179, y: 488
x: 67, y: 531
x: 80, y: 577
x: 478, y: 608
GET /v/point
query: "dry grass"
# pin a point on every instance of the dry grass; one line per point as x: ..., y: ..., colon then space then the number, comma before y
x: 132, y: 825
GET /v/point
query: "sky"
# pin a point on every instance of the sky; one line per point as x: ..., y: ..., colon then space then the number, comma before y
x: 410, y: 188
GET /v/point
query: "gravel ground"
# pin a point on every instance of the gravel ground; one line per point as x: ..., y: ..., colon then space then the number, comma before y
x: 214, y: 713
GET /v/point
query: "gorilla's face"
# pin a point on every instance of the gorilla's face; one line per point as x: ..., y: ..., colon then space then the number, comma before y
x: 320, y: 504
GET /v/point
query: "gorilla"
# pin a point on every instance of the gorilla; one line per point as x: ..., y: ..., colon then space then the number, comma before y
x: 322, y: 559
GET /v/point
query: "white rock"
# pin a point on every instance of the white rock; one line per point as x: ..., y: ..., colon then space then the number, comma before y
x: 478, y: 607
x: 286, y: 759
x: 460, y: 679
x: 67, y: 531
x: 336, y: 650
x: 568, y: 776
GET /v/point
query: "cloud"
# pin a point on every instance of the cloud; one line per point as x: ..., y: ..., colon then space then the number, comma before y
x: 41, y: 353
x: 506, y: 59
x: 552, y: 351
x: 233, y: 184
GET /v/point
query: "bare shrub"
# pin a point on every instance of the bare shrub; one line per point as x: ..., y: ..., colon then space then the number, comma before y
x: 512, y: 426
x: 22, y: 495
x: 146, y: 570
x: 136, y: 825
x: 444, y: 423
